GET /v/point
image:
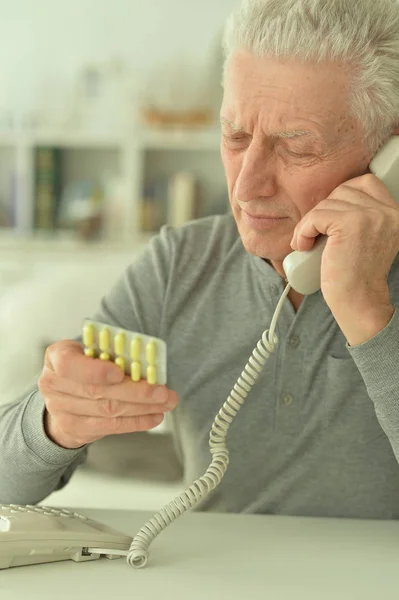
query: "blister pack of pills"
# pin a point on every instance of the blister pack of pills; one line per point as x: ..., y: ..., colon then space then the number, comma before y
x: 139, y: 356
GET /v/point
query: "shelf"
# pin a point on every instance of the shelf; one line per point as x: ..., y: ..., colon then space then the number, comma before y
x: 64, y: 139
x: 180, y: 139
x: 77, y: 140
x: 64, y: 242
x: 146, y: 139
x: 125, y: 158
x: 9, y: 140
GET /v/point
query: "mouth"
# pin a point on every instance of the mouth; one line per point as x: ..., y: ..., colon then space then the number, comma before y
x: 262, y: 221
x: 274, y: 217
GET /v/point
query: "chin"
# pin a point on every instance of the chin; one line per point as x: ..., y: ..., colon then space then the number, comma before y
x: 260, y: 249
x: 264, y: 245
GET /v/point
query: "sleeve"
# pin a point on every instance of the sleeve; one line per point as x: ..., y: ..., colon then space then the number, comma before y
x: 378, y: 360
x: 31, y: 465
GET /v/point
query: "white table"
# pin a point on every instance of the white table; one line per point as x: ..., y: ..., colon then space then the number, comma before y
x: 229, y: 556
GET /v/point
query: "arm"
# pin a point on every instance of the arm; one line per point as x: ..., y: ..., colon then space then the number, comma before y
x: 31, y: 465
x: 378, y: 360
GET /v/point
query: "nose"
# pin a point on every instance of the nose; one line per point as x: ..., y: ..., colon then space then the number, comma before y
x: 257, y: 176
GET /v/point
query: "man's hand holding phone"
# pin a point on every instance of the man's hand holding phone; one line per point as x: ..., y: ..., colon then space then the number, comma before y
x: 361, y: 220
x: 87, y: 399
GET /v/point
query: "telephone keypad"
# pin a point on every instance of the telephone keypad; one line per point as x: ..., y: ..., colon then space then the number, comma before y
x: 42, y: 510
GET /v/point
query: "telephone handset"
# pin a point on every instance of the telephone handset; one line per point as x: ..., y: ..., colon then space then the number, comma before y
x: 302, y: 269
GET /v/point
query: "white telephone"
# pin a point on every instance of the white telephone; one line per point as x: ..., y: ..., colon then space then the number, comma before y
x: 302, y: 269
x: 36, y: 534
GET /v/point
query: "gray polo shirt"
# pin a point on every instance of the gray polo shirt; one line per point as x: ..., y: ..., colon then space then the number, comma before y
x: 319, y: 433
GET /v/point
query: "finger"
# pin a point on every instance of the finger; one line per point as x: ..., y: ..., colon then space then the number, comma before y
x: 341, y: 205
x: 333, y: 209
x: 326, y: 222
x: 99, y: 427
x: 140, y: 392
x: 69, y: 362
x: 368, y: 186
x: 62, y: 403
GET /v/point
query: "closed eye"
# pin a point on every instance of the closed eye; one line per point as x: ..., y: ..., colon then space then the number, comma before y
x: 237, y: 140
x: 300, y: 154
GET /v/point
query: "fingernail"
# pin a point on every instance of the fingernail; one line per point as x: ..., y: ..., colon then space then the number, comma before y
x: 115, y: 376
x: 160, y: 395
x: 170, y: 405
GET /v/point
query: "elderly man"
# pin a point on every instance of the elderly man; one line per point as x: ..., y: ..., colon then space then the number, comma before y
x: 311, y: 93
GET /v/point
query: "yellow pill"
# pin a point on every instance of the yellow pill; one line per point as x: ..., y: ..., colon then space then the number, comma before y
x: 105, y: 356
x: 120, y: 362
x: 135, y: 369
x: 88, y: 335
x: 119, y: 343
x: 135, y: 349
x: 151, y: 353
x: 104, y: 339
x: 90, y: 352
x: 151, y: 374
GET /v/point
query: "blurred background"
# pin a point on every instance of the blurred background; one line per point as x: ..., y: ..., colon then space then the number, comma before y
x: 108, y: 129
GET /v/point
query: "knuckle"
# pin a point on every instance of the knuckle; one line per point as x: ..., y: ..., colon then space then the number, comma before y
x: 143, y: 392
x: 45, y: 382
x: 107, y: 408
x: 60, y: 358
x: 92, y: 391
x: 53, y: 355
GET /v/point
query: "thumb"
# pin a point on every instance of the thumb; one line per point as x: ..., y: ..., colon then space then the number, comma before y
x: 67, y: 360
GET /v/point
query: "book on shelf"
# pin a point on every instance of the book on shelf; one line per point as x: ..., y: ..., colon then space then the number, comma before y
x: 47, y: 186
x: 154, y: 197
x: 182, y: 199
x: 172, y: 200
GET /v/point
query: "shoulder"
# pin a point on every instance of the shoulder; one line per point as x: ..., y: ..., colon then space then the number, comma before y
x: 207, y: 238
x: 200, y: 247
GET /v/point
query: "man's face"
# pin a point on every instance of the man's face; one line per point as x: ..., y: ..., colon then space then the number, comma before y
x: 284, y: 176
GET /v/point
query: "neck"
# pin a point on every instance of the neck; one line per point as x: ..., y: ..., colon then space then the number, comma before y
x: 295, y: 298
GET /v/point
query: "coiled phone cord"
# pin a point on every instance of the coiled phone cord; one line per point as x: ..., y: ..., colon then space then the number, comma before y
x: 138, y: 553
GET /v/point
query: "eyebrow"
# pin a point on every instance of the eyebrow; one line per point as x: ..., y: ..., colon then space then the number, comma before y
x: 279, y: 134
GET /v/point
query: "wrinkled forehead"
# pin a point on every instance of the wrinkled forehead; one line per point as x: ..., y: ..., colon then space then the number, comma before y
x: 284, y: 91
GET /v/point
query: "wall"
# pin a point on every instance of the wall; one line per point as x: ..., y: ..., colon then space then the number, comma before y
x: 44, y: 42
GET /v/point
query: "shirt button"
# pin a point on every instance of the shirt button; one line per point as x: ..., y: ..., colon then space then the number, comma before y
x: 275, y: 289
x: 288, y: 399
x: 294, y: 341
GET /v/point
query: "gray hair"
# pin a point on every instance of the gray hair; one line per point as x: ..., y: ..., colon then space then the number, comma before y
x: 363, y: 34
